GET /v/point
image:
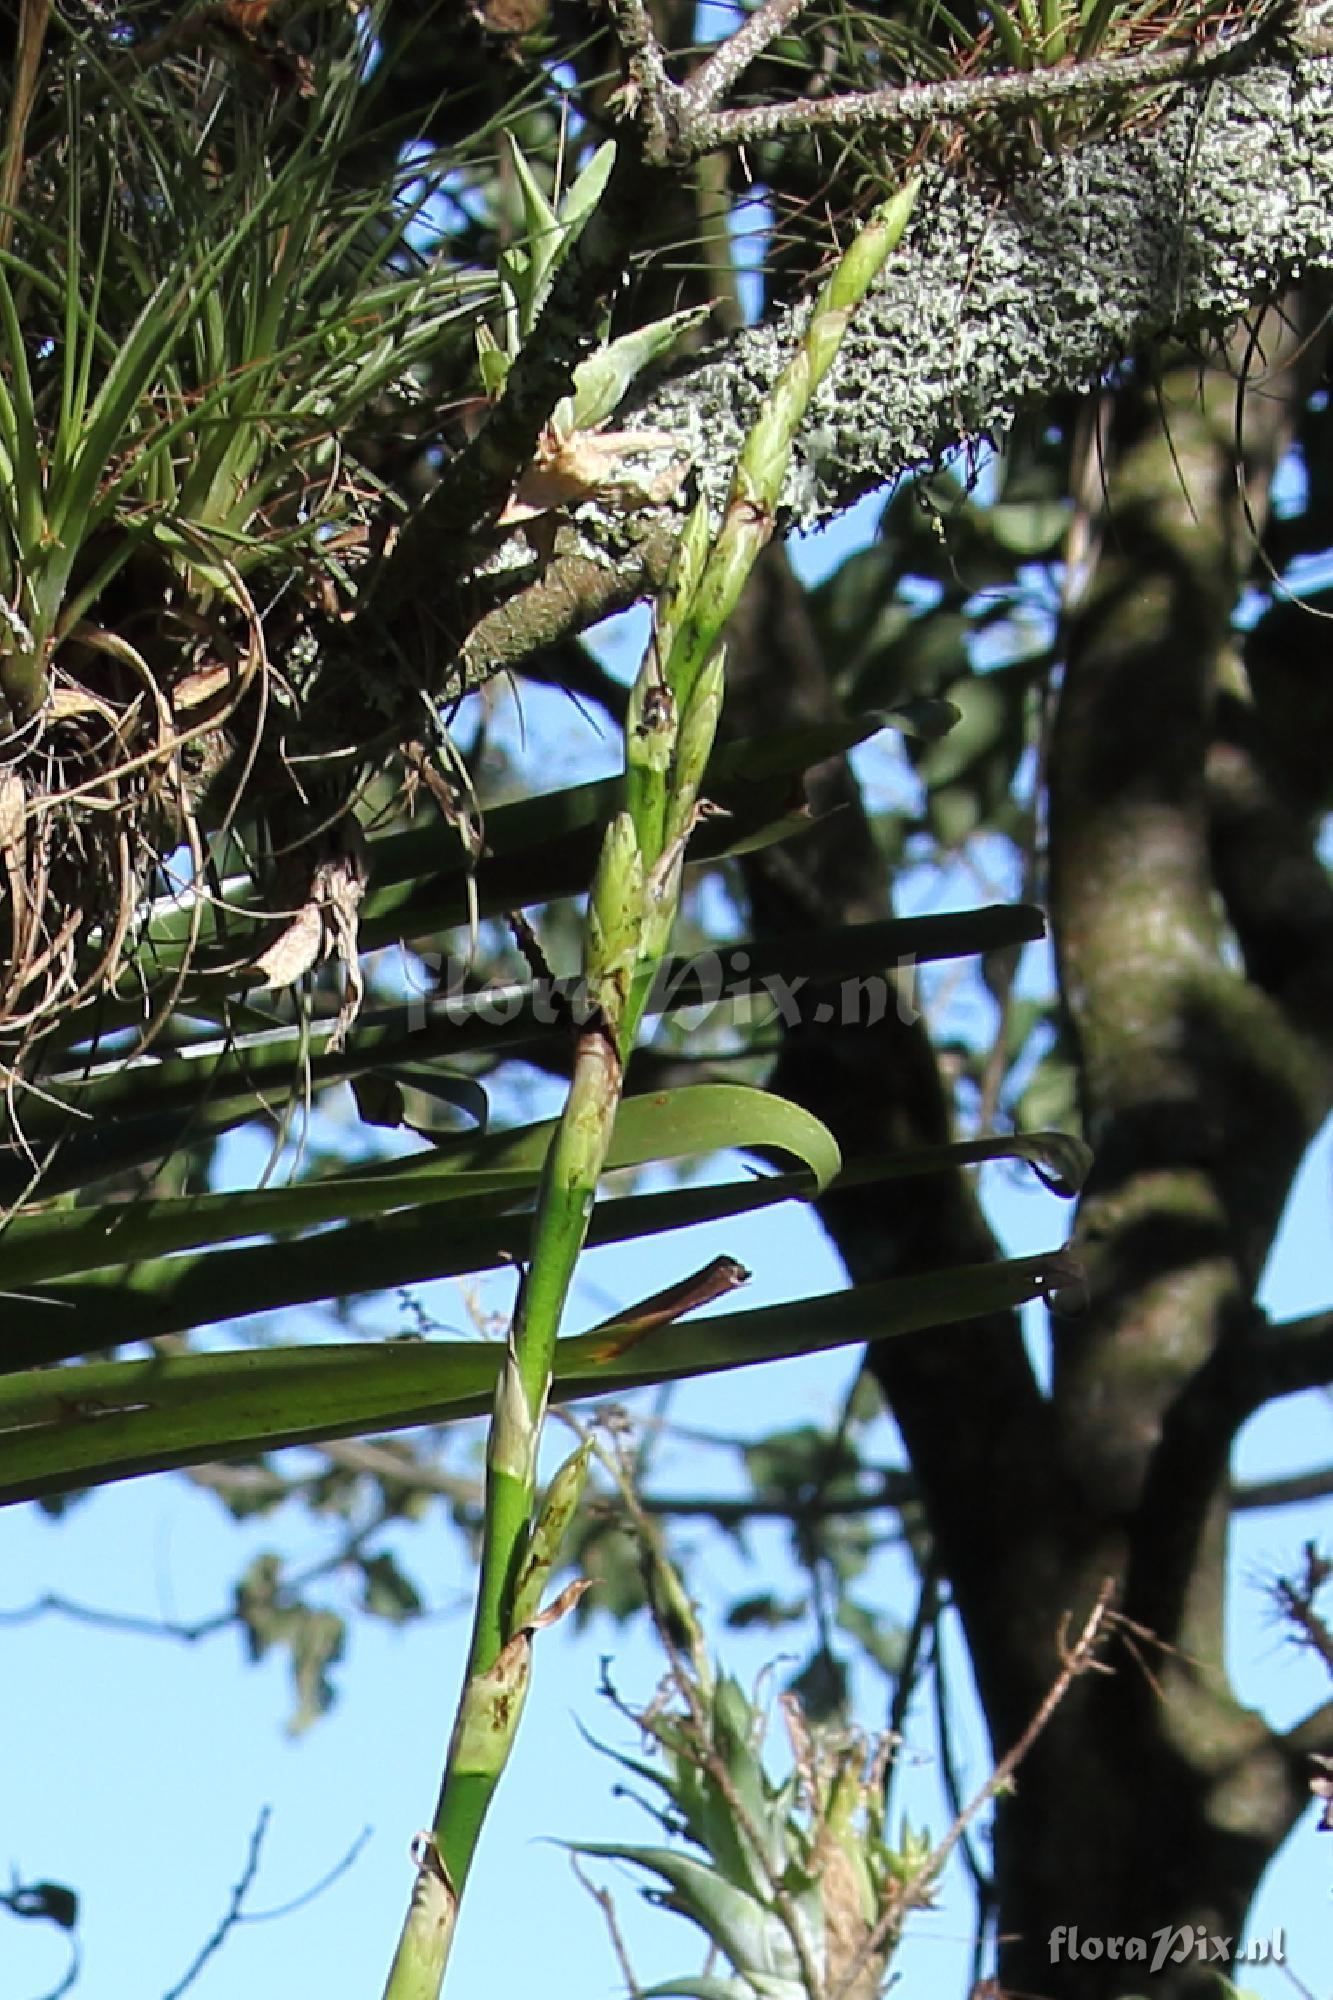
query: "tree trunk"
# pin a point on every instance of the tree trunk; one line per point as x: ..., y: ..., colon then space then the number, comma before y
x: 1153, y: 1803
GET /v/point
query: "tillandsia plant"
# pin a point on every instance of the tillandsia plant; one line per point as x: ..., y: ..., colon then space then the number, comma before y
x: 199, y: 310
x: 575, y: 456
x: 670, y: 725
x: 793, y: 1879
x: 1036, y: 36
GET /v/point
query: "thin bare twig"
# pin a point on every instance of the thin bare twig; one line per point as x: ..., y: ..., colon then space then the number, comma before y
x: 606, y: 1904
x: 114, y: 1621
x: 234, y: 1912
x: 306, y: 1896
x: 714, y: 78
x: 1077, y: 1660
x: 953, y: 1790
x: 922, y: 1633
x: 1080, y: 1657
x: 648, y: 93
x: 289, y: 1588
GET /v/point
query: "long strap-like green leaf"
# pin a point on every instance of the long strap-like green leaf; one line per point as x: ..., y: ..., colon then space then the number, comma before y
x: 114, y: 1420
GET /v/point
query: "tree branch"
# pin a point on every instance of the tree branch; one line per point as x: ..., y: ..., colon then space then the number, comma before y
x: 1295, y: 1354
x: 1313, y: 1736
x: 915, y: 106
x: 713, y: 79
x: 1004, y: 297
x: 1291, y: 1492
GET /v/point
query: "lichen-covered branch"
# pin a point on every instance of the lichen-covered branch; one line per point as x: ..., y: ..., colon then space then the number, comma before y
x: 1005, y: 295
x: 916, y: 106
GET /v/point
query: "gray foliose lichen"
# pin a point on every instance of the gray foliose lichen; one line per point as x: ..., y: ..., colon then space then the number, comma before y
x: 1002, y: 296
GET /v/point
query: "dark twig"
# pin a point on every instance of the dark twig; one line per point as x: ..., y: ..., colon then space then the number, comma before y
x: 236, y: 1912
x: 115, y: 1621
x: 232, y: 1915
x: 326, y: 1881
x: 350, y: 1548
x: 982, y: 1882
x: 1313, y: 1735
x: 924, y: 1631
x: 1076, y: 1660
x: 1287, y: 1357
x: 895, y: 1489
x: 1287, y: 1492
x: 1295, y: 1598
x: 649, y: 94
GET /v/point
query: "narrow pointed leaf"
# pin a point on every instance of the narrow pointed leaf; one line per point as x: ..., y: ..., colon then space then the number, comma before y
x: 152, y: 1301
x: 147, y: 1111
x: 698, y: 1119
x: 114, y: 1420
x: 1059, y: 1160
x: 753, y: 1937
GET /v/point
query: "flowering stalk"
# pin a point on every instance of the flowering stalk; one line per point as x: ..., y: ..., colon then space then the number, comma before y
x: 669, y: 731
x: 678, y: 696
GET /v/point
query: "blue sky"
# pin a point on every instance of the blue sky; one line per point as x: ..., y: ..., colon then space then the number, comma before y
x: 134, y: 1767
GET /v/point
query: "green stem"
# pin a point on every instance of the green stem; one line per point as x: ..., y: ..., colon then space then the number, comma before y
x: 670, y: 725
